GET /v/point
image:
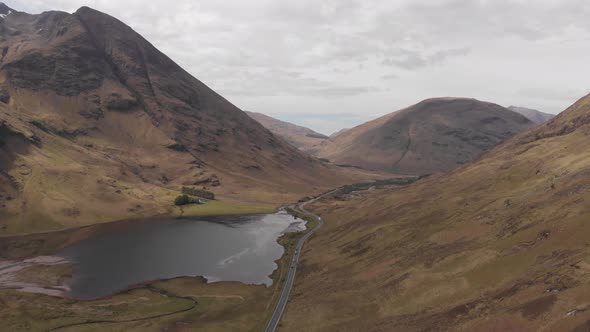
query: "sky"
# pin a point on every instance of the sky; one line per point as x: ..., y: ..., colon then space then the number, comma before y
x: 334, y: 64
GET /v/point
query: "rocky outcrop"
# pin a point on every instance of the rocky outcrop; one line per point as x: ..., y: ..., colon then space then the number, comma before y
x: 73, y: 68
x: 116, y: 102
x: 4, y: 96
x: 211, y: 181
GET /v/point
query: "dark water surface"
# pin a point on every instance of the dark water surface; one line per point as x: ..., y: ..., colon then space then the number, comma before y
x: 241, y: 248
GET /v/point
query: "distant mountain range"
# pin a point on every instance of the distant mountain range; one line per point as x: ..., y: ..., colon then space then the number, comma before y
x: 434, y: 135
x: 537, y: 117
x: 300, y: 137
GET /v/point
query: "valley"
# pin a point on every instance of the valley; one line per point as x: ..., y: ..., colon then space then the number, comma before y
x: 119, y: 294
x: 135, y: 197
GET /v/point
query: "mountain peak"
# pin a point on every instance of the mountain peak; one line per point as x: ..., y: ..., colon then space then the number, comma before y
x: 436, y: 134
x: 448, y: 98
x: 86, y: 8
x: 5, y: 10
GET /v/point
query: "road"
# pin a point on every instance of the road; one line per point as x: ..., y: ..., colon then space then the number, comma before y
x: 8, y: 266
x: 280, y: 308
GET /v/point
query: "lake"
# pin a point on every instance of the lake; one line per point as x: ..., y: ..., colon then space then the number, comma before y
x: 231, y: 248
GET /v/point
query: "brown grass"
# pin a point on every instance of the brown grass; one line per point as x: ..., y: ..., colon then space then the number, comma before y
x: 500, y: 244
x: 186, y: 303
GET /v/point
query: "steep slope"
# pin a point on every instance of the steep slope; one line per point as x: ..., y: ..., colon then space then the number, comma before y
x: 434, y: 135
x: 537, y: 117
x: 498, y: 245
x: 97, y: 124
x: 300, y: 137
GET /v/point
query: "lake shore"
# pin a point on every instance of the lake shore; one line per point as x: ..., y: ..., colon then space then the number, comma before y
x: 245, y: 307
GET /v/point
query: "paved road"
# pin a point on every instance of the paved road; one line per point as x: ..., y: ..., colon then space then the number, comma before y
x: 280, y: 308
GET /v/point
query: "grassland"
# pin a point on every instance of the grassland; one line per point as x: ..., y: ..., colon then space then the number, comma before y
x: 217, y: 208
x: 187, y: 303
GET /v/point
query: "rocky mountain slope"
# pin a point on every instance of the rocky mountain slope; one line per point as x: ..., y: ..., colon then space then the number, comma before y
x: 500, y: 244
x: 300, y: 137
x: 434, y: 135
x: 537, y: 117
x: 96, y: 124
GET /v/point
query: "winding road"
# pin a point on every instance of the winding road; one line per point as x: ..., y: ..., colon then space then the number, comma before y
x: 282, y: 303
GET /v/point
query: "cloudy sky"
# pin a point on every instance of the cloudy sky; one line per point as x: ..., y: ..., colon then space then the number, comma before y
x: 331, y: 64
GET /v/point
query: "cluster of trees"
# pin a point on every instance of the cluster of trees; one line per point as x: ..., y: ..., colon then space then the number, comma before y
x: 186, y: 199
x: 198, y: 192
x: 192, y: 195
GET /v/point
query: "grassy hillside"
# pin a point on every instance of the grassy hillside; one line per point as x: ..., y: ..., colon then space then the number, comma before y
x: 98, y: 125
x: 182, y: 303
x: 500, y: 244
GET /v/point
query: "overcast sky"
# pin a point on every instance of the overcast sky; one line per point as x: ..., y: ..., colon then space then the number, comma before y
x: 329, y: 64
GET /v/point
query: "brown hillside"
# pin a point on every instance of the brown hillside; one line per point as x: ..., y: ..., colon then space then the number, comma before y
x: 300, y: 137
x: 434, y: 135
x: 498, y: 245
x: 341, y: 131
x: 96, y: 124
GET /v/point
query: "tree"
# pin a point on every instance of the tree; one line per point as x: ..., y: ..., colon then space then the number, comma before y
x: 182, y: 200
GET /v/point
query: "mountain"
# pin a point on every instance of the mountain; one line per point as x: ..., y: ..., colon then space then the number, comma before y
x: 437, y: 134
x: 96, y: 124
x: 537, y: 117
x: 300, y: 137
x: 500, y: 244
x: 341, y: 131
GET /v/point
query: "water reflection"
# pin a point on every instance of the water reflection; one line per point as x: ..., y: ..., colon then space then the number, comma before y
x: 242, y: 248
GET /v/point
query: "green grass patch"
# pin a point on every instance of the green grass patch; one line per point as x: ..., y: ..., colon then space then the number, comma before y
x: 33, y: 312
x: 221, y: 208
